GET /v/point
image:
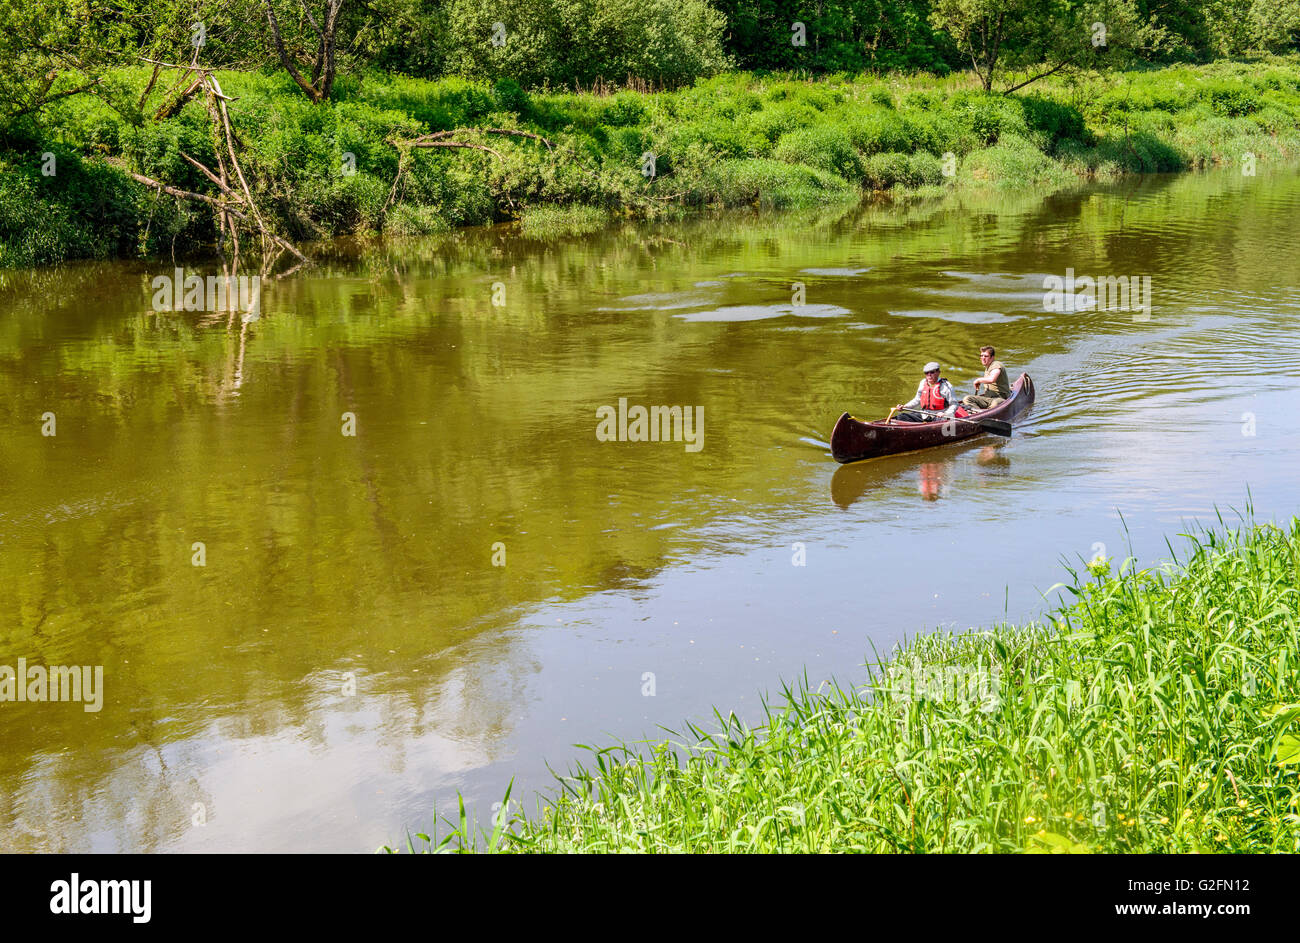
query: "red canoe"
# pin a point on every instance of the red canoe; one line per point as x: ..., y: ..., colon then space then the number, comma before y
x: 853, y: 440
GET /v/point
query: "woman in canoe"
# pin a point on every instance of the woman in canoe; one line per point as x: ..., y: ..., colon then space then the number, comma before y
x: 934, y: 394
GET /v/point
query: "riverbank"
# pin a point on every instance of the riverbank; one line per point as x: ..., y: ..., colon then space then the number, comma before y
x: 321, y: 171
x: 1156, y: 713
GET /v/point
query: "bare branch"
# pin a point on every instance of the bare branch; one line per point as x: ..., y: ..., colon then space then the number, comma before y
x: 166, y: 188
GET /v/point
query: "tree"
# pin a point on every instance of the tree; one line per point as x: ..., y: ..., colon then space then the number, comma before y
x: 1048, y: 35
x: 323, y: 60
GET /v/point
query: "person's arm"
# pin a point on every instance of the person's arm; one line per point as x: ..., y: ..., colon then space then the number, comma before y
x: 989, y: 379
x: 951, y: 396
x: 915, y: 400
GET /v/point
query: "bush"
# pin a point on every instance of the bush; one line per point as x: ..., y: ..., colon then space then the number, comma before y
x: 624, y: 110
x: 1230, y: 99
x: 883, y: 171
x: 881, y: 97
x: 924, y: 169
x: 826, y: 147
x: 1060, y: 122
x: 878, y: 130
x: 919, y: 169
x: 773, y: 184
x: 510, y: 96
x: 1012, y: 162
x: 82, y: 211
x: 725, y: 137
x: 988, y: 117
x: 781, y: 117
x: 407, y: 220
x: 1273, y: 119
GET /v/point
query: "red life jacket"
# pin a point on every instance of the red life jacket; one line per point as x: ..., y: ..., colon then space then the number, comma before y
x: 932, y: 399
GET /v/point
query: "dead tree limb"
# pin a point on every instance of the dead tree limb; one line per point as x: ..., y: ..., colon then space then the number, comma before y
x: 234, y: 206
x: 171, y: 106
x: 165, y: 187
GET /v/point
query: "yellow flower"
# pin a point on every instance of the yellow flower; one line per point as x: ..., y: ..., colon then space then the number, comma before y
x: 1164, y: 820
x: 1029, y: 819
x: 1241, y: 803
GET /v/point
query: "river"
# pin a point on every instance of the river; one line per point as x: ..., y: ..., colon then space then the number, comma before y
x: 422, y: 571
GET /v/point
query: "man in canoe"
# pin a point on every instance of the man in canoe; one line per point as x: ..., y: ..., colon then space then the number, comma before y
x: 934, y: 394
x: 997, y: 387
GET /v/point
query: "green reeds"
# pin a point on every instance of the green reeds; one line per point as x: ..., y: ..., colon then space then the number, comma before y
x: 1159, y: 711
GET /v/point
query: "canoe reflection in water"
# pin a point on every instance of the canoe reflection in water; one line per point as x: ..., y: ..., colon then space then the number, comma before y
x: 934, y: 477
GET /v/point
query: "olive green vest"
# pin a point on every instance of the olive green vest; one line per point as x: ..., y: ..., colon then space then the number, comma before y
x: 1002, y: 388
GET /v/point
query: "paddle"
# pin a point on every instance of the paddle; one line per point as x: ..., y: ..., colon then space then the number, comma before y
x: 995, y: 426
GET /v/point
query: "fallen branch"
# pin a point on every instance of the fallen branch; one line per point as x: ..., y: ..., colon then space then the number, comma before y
x: 172, y: 106
x: 233, y: 205
x: 221, y: 184
x: 164, y: 187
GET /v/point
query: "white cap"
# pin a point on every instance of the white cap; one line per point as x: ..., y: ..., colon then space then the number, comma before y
x: 930, y: 366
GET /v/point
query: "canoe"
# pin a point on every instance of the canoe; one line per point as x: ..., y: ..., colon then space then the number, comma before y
x: 853, y: 440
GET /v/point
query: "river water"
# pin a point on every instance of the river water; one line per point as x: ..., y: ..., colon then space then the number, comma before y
x: 474, y: 581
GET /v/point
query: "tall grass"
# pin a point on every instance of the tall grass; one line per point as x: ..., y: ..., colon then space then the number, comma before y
x: 1159, y: 711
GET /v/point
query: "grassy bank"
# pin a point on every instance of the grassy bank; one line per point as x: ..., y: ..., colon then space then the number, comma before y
x: 1159, y: 712
x: 737, y: 139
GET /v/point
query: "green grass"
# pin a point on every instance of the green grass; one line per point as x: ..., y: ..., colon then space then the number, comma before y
x: 554, y: 222
x: 1158, y: 712
x: 732, y: 140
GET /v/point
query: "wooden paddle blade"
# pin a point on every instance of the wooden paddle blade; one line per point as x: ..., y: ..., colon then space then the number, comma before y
x: 995, y: 426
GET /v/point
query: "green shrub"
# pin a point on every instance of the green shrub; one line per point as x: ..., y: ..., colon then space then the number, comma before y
x: 883, y: 171
x: 407, y: 220
x: 878, y: 130
x: 82, y: 211
x: 509, y: 96
x: 778, y: 118
x: 1058, y: 121
x: 826, y: 147
x: 773, y: 184
x: 1012, y: 162
x: 935, y: 132
x: 725, y: 137
x: 1274, y: 120
x: 988, y: 117
x: 1230, y: 99
x: 624, y: 110
x: 924, y: 169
